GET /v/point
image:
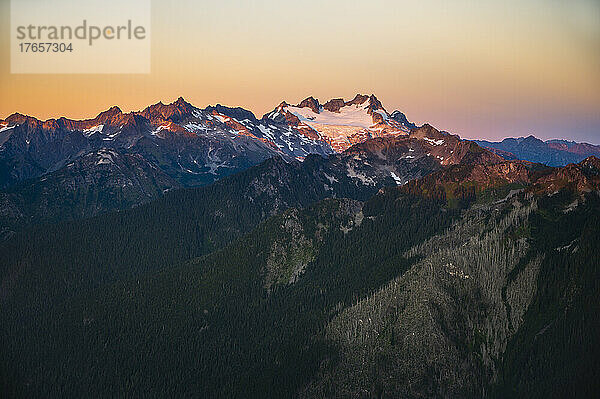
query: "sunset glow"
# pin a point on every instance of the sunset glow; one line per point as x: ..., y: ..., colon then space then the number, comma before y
x: 479, y: 69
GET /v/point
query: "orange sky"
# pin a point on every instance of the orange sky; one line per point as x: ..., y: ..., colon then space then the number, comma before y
x: 480, y: 69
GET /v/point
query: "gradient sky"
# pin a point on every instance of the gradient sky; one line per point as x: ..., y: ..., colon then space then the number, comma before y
x: 481, y: 69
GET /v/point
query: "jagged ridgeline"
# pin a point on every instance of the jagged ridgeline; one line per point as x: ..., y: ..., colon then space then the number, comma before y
x: 482, y: 291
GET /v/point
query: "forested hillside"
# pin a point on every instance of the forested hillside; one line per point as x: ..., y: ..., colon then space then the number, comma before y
x: 221, y: 323
x: 405, y: 294
x: 497, y: 306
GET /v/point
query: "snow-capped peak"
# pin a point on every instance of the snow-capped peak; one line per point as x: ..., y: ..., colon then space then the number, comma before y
x: 338, y: 122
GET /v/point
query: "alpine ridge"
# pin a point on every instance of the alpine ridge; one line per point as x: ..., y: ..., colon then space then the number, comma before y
x: 194, y: 146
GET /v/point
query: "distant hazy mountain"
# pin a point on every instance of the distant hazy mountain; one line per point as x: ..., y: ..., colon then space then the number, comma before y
x: 550, y: 152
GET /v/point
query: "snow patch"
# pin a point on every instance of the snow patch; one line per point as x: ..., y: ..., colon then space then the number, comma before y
x: 159, y: 129
x: 267, y: 132
x: 274, y: 115
x: 105, y: 157
x: 194, y: 127
x: 222, y: 118
x: 433, y: 142
x: 92, y: 130
x: 5, y: 128
x: 350, y: 115
x: 383, y: 114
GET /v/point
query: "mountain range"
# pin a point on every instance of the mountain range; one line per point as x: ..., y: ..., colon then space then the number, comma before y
x: 62, y: 169
x: 197, y: 146
x: 550, y: 152
x: 194, y: 146
x: 324, y: 250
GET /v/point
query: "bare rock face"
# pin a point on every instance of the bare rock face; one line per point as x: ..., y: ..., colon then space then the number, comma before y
x: 311, y: 103
x: 374, y: 104
x: 175, y: 112
x: 581, y: 177
x: 290, y: 253
x: 299, y: 239
x: 358, y: 99
x: 334, y: 105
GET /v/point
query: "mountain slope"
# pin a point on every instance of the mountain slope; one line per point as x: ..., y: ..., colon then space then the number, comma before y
x: 367, y: 166
x: 97, y: 182
x: 202, y: 219
x: 233, y: 338
x: 490, y: 308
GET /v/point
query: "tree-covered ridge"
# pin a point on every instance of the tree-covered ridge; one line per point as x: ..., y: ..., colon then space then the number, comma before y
x: 212, y: 325
x: 497, y: 306
x: 257, y: 287
x: 554, y: 353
